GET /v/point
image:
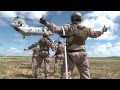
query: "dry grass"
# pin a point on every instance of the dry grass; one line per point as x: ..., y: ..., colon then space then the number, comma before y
x: 20, y: 68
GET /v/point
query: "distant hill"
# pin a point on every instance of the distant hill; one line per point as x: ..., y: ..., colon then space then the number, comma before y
x: 105, y: 58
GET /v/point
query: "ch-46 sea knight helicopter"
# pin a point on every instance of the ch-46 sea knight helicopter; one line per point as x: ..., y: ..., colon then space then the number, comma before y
x: 20, y: 26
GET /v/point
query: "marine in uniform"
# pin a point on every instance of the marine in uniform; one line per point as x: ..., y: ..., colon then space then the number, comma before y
x: 76, y: 36
x: 44, y: 44
x: 59, y: 54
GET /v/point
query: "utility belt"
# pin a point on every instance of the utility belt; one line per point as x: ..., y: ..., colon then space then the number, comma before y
x: 57, y: 53
x: 44, y: 49
x: 69, y: 50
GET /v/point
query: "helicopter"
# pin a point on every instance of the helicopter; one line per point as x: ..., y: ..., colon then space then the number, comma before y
x: 19, y: 25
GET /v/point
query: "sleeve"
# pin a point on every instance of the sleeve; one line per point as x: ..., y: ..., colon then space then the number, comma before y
x: 94, y: 34
x: 33, y: 45
x: 57, y: 29
x: 50, y: 44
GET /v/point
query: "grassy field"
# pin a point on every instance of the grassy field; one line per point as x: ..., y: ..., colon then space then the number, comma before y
x: 20, y: 68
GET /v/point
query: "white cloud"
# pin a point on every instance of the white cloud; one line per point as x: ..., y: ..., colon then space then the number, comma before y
x: 13, y: 50
x: 102, y: 47
x: 110, y: 14
x: 107, y: 36
x: 2, y: 22
x: 2, y: 42
x: 20, y: 40
x: 16, y: 52
x: 98, y: 19
x: 33, y: 15
x: 17, y: 35
x: 106, y: 49
x: 8, y: 13
x: 117, y: 44
x: 59, y: 12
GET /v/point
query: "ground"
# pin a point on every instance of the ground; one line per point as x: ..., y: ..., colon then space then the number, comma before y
x: 20, y: 68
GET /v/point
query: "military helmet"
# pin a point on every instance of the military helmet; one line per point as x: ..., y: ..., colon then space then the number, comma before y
x: 45, y: 35
x: 76, y: 17
x: 59, y: 42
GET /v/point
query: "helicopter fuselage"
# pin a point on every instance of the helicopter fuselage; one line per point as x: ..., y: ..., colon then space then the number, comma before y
x: 20, y: 26
x: 27, y: 31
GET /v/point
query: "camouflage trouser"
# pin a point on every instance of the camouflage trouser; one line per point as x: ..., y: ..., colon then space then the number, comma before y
x: 36, y: 64
x: 43, y: 55
x: 58, y: 58
x: 34, y: 57
x: 80, y: 60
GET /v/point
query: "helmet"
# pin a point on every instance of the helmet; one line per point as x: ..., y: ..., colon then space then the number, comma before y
x: 76, y: 17
x: 45, y: 35
x: 59, y: 42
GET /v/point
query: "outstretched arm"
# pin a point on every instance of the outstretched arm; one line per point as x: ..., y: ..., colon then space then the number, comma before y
x: 95, y: 34
x: 33, y: 45
x: 52, y: 27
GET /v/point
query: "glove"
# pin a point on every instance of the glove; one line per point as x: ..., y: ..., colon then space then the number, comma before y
x: 43, y: 21
x: 29, y: 47
x: 104, y: 29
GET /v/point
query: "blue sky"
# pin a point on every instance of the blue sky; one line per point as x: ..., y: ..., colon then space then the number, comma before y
x: 12, y: 43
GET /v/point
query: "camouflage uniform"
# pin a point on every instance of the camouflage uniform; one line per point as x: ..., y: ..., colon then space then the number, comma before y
x: 35, y: 53
x: 76, y: 37
x: 58, y: 55
x: 35, y: 61
x: 44, y: 45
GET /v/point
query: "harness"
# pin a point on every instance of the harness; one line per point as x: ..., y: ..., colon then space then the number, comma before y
x: 44, y: 46
x: 69, y: 50
x: 76, y: 38
x: 44, y: 56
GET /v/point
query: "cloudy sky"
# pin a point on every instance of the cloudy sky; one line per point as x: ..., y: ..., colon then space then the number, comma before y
x: 12, y: 43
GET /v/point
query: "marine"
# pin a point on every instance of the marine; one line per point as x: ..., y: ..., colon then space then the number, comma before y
x: 76, y: 36
x: 44, y: 44
x: 59, y: 55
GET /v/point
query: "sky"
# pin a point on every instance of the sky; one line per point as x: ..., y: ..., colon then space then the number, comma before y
x: 13, y: 44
